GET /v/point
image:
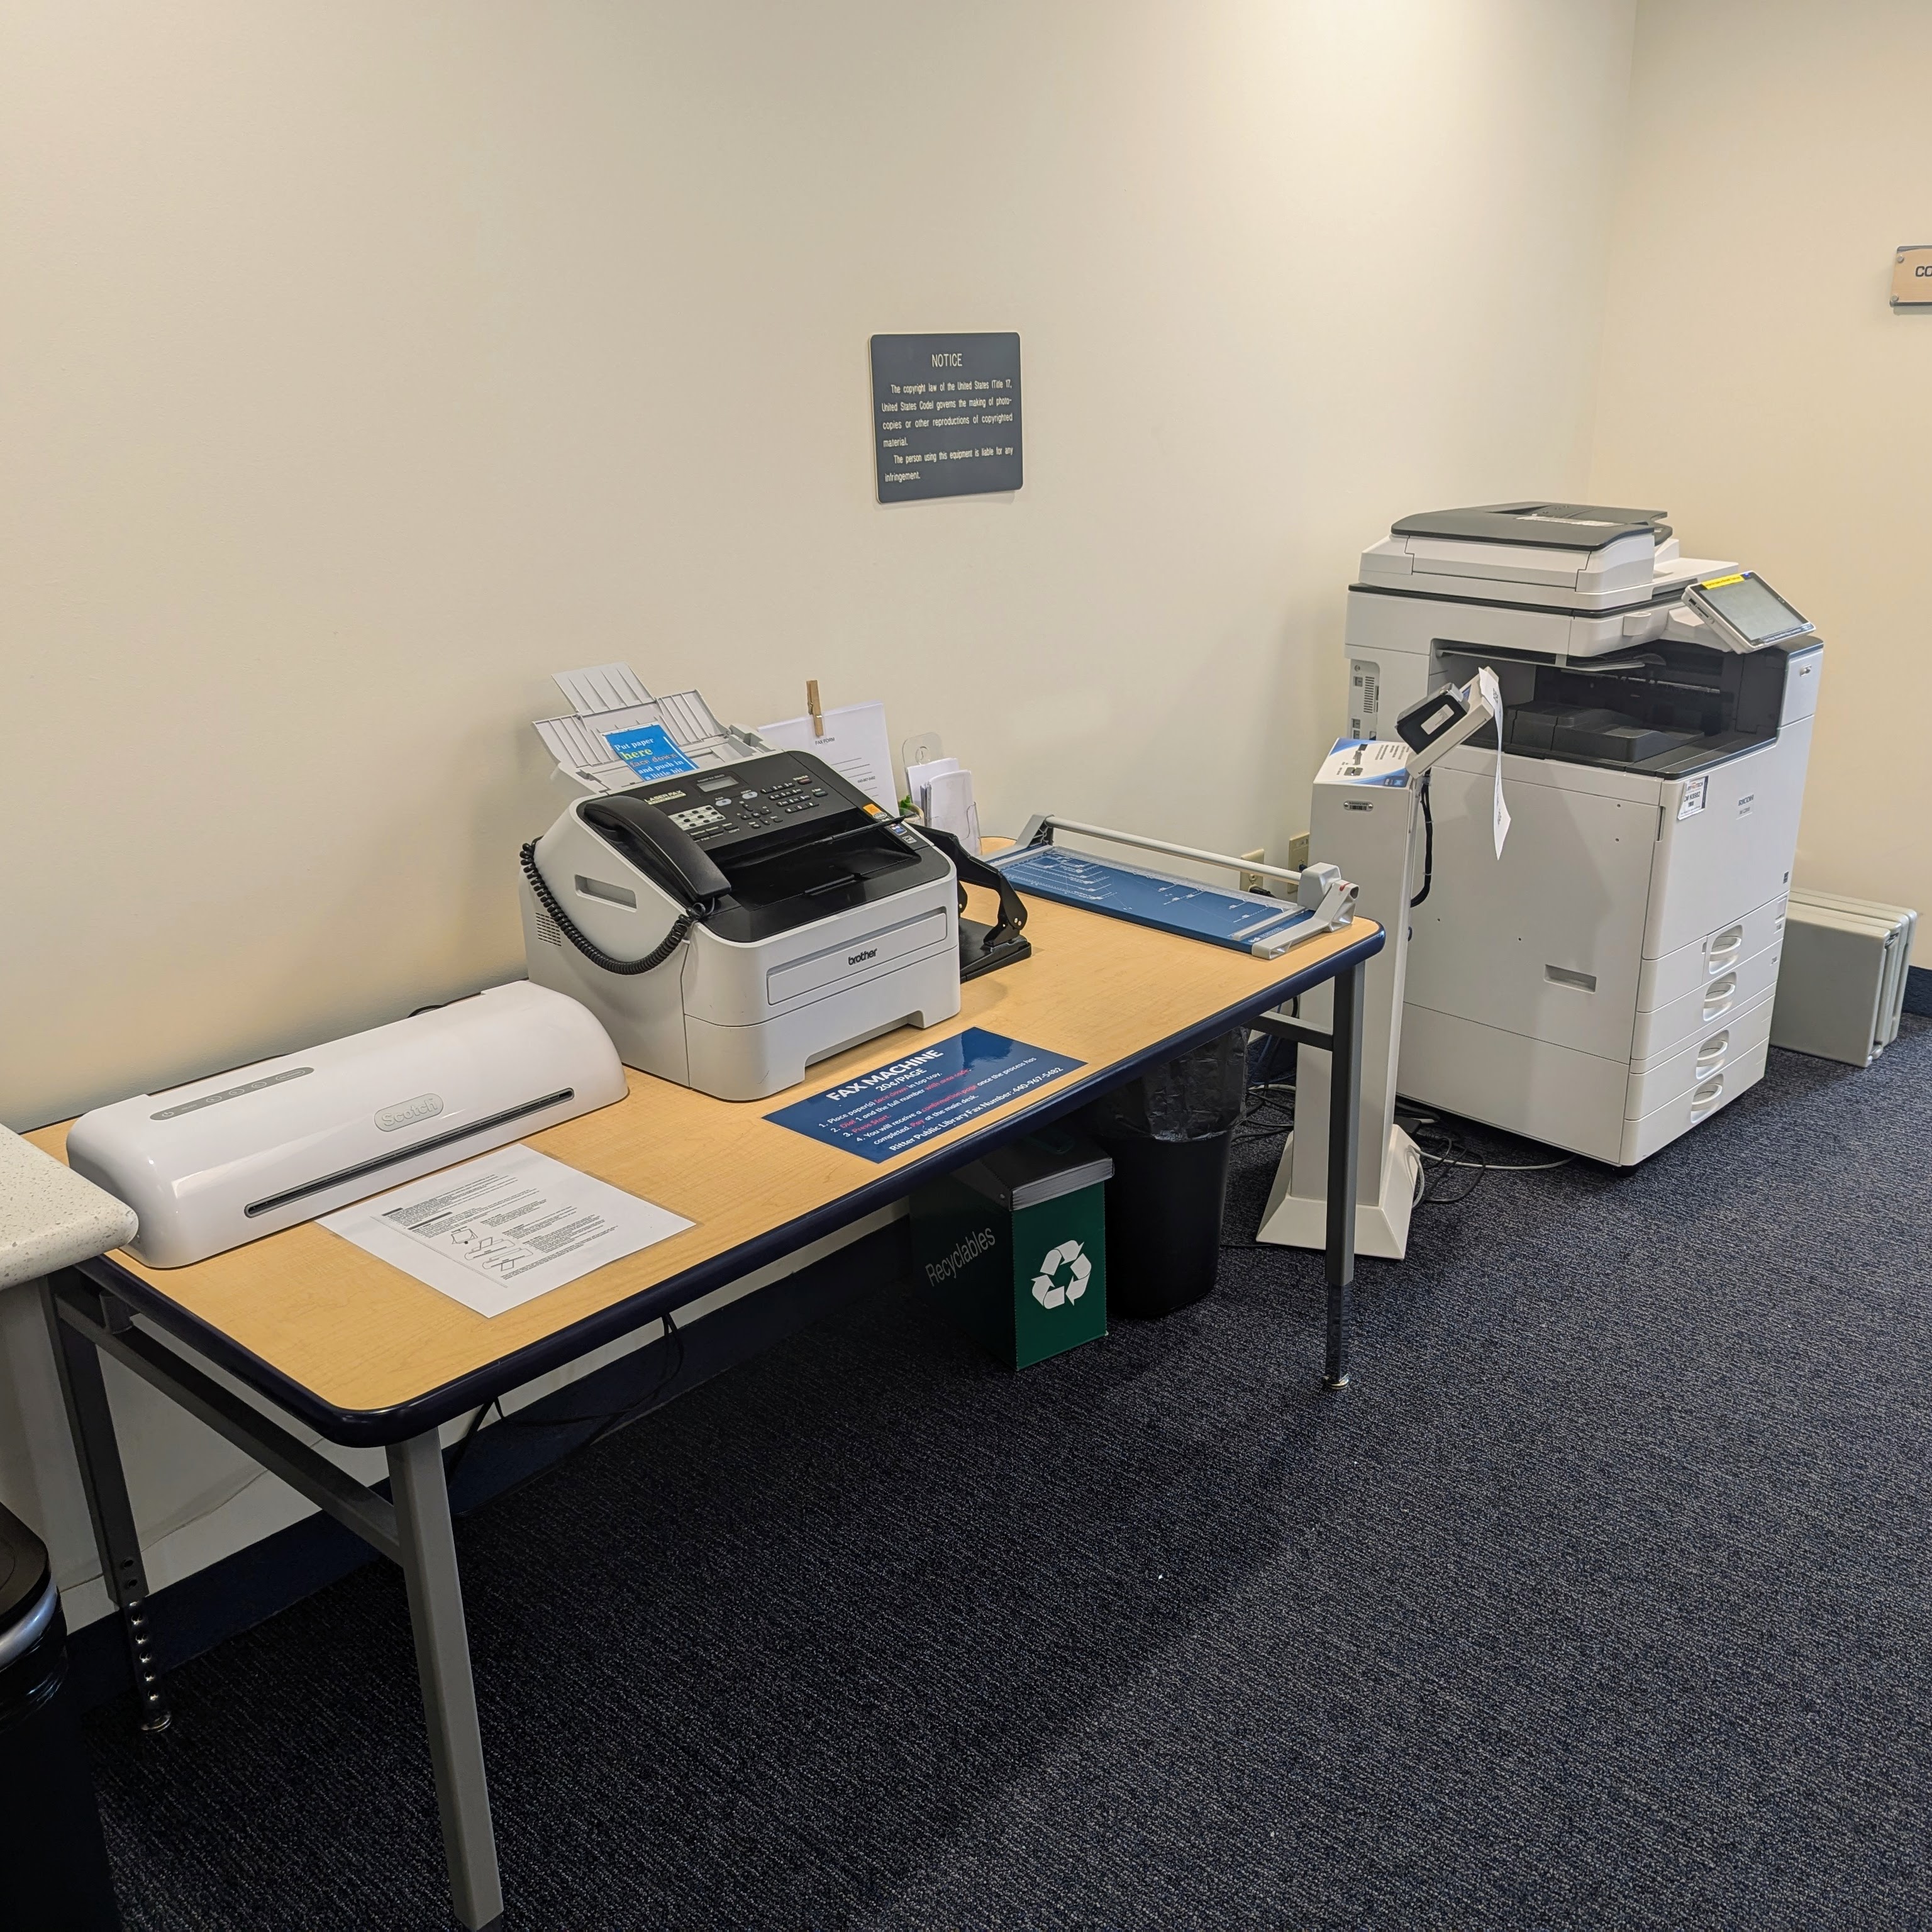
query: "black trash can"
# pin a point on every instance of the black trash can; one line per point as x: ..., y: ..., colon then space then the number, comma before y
x: 53, y: 1865
x: 1169, y: 1133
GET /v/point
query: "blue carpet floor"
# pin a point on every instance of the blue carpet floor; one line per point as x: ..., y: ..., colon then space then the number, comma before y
x: 1600, y: 1600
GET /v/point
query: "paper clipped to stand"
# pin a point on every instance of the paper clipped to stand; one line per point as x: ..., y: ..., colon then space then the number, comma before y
x: 1491, y: 693
x: 852, y: 743
x: 497, y: 1232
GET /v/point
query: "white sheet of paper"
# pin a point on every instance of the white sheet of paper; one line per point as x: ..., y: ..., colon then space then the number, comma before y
x: 919, y: 776
x: 1487, y: 683
x: 853, y: 743
x: 947, y: 803
x: 502, y: 1229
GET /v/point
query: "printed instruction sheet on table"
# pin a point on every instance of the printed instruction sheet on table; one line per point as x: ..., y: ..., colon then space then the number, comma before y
x: 504, y: 1228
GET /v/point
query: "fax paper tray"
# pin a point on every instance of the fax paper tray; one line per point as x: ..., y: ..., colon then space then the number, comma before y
x: 612, y: 698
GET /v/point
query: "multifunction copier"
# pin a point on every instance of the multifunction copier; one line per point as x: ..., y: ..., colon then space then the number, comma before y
x: 1606, y: 983
x: 744, y: 914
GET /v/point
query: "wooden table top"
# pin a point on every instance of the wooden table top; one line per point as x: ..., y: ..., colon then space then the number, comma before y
x: 319, y: 1324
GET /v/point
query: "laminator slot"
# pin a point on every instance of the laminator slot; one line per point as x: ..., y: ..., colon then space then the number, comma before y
x: 342, y: 1176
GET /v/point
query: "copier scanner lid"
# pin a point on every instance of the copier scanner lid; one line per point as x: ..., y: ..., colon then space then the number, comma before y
x: 1584, y: 526
x: 1558, y: 556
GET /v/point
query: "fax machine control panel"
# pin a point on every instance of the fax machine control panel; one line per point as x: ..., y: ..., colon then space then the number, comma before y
x: 760, y: 805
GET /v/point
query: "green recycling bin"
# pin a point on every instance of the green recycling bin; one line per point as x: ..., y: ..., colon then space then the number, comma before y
x: 1015, y: 1247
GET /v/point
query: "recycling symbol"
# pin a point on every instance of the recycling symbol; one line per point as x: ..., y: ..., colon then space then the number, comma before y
x: 1050, y: 1287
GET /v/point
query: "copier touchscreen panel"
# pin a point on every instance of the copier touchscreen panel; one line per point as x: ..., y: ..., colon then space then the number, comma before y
x: 1752, y: 608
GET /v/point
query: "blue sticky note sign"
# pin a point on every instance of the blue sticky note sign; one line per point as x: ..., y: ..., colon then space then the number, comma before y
x: 650, y: 752
x: 893, y: 1108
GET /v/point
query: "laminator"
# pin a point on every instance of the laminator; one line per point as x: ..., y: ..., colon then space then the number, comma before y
x: 734, y: 923
x: 220, y: 1162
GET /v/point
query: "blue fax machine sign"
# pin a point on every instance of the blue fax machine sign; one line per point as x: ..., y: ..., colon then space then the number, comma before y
x: 901, y: 1105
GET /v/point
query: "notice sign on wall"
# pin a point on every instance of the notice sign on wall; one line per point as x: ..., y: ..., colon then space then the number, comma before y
x: 946, y: 415
x: 1911, y: 277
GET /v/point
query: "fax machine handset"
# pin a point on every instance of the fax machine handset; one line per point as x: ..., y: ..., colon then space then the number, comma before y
x: 664, y: 852
x: 682, y: 883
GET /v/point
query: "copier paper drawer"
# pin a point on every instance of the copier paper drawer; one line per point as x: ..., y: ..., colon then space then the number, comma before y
x: 1664, y: 982
x: 1662, y: 1125
x: 855, y: 957
x: 1732, y: 853
x: 1736, y: 1036
x: 1705, y: 1007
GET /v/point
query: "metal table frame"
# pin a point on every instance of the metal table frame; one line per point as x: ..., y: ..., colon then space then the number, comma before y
x: 90, y: 1310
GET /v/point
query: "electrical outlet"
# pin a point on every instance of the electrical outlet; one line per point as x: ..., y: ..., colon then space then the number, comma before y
x: 1298, y: 851
x: 1253, y: 882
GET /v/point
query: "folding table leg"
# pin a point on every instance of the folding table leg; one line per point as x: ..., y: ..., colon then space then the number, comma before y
x: 105, y: 1483
x: 1345, y: 1121
x: 422, y: 1498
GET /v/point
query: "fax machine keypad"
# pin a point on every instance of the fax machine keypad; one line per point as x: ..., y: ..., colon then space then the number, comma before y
x: 774, y: 797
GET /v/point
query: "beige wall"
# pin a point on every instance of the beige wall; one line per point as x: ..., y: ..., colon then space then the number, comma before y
x: 1756, y: 383
x: 361, y: 364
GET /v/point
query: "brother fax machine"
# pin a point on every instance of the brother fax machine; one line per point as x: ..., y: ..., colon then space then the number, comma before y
x: 1606, y: 983
x: 733, y: 923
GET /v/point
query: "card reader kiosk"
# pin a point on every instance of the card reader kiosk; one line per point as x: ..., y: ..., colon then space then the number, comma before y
x: 1370, y: 802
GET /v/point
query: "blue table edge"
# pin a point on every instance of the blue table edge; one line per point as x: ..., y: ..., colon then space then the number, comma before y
x: 367, y: 1428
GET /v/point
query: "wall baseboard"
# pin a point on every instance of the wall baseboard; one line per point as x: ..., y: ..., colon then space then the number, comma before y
x: 255, y: 1584
x: 1919, y: 991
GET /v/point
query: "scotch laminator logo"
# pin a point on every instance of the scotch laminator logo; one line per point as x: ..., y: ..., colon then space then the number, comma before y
x: 406, y: 1113
x: 1062, y: 1276
x: 964, y: 1253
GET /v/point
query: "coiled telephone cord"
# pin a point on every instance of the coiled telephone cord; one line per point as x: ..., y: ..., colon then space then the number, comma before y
x: 669, y: 944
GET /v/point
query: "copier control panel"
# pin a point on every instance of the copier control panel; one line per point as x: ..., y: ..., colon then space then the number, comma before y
x: 761, y: 805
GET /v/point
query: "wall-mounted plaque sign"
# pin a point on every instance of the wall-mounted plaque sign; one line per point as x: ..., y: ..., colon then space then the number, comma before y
x: 946, y: 415
x: 1912, y: 278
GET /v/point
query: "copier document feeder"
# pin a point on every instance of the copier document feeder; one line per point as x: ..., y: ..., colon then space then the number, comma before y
x: 734, y: 925
x: 1607, y: 983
